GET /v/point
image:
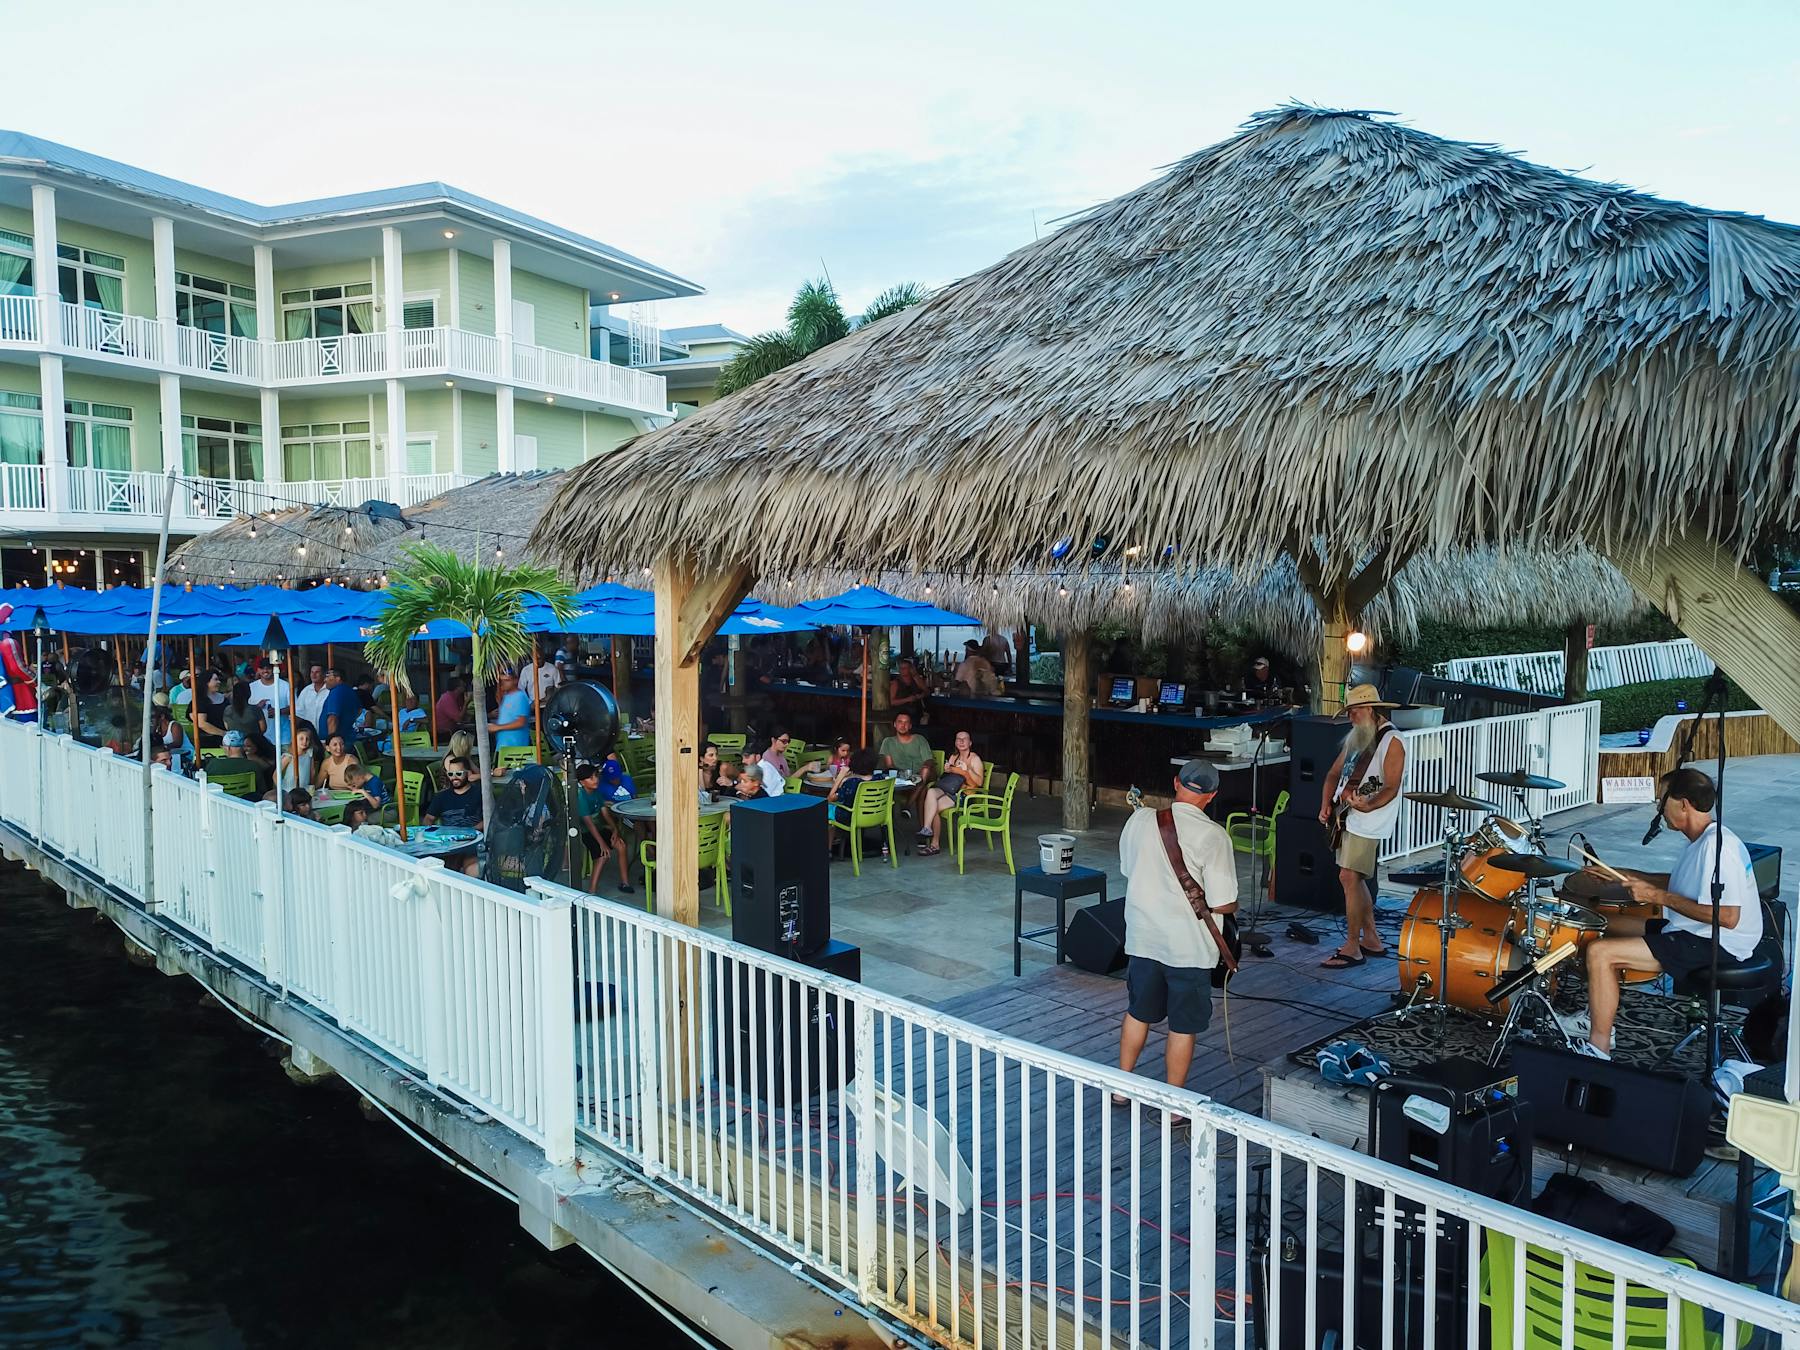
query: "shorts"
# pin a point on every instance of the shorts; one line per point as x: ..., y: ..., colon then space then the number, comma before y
x: 1182, y: 994
x: 1681, y: 953
x: 1358, y: 853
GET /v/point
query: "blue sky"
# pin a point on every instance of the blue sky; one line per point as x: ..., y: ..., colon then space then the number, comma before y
x: 750, y: 147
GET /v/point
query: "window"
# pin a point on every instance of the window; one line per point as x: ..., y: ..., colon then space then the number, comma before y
x: 328, y: 311
x: 98, y: 435
x: 21, y: 429
x: 214, y: 306
x: 329, y: 450
x: 86, y: 276
x: 419, y: 311
x: 217, y: 447
x: 15, y: 263
x: 421, y: 454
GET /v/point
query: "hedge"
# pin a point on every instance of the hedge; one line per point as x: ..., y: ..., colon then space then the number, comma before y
x: 1632, y: 707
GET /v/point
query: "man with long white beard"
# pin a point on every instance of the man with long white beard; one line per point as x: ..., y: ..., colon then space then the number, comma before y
x: 1364, y: 792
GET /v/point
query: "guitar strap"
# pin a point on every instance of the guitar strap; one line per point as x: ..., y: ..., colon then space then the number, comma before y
x: 1359, y: 767
x: 1196, y: 894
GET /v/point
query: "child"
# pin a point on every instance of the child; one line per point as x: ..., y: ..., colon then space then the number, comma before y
x: 374, y: 791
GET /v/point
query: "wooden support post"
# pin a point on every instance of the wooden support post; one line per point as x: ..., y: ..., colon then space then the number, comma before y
x: 1078, y: 679
x: 1334, y: 655
x: 1730, y: 613
x: 689, y: 610
x: 431, y: 668
x: 1575, y: 661
x: 621, y: 669
x: 399, y: 786
x: 880, y: 696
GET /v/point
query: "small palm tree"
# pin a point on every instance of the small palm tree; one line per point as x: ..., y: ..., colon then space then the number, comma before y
x: 815, y: 320
x: 436, y: 583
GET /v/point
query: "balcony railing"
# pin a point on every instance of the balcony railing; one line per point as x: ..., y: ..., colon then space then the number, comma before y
x: 21, y: 487
x: 134, y: 497
x: 452, y: 352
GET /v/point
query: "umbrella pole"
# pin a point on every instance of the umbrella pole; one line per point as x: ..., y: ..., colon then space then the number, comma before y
x: 194, y: 674
x: 119, y: 662
x: 328, y: 660
x: 69, y: 680
x: 537, y: 709
x: 399, y: 753
x: 431, y: 661
x: 865, y: 691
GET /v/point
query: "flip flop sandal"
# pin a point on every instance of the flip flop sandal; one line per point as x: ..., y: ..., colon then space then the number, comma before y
x: 929, y: 850
x: 1376, y: 951
x: 1339, y: 961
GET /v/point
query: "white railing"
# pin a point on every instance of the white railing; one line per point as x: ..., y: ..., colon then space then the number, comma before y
x: 1561, y: 742
x: 601, y: 381
x: 22, y: 487
x: 21, y: 319
x: 472, y: 353
x: 109, y: 334
x: 353, y: 354
x: 1608, y: 667
x: 982, y: 1189
x: 218, y: 353
x: 131, y: 492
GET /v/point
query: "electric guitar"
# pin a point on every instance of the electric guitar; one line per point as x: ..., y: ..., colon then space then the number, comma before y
x: 1340, y: 812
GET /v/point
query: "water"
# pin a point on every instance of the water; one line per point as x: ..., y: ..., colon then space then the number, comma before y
x: 162, y: 1183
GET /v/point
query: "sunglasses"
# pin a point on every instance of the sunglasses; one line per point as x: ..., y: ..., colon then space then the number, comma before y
x: 459, y: 778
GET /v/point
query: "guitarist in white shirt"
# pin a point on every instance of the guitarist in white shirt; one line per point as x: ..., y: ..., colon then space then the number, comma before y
x: 1375, y: 757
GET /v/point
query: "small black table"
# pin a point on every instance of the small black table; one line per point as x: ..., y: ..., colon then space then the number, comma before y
x: 1075, y: 881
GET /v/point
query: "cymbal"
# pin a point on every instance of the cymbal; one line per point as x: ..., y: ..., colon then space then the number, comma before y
x: 1451, y: 800
x: 1534, y: 864
x: 1518, y: 778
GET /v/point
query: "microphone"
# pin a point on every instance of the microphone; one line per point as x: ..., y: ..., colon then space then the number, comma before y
x: 1655, y: 828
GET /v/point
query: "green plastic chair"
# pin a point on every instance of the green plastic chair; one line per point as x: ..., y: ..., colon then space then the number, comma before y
x: 872, y: 809
x: 415, y: 740
x: 513, y: 757
x: 988, y: 814
x: 412, y: 783
x: 1646, y: 1309
x: 234, y: 782
x: 795, y: 781
x: 711, y: 855
x: 1249, y: 835
x: 728, y: 740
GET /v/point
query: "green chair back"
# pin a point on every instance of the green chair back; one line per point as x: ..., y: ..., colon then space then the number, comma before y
x: 795, y: 781
x: 728, y: 740
x: 412, y: 787
x: 872, y: 809
x: 988, y: 814
x: 1257, y: 838
x: 710, y: 854
x: 415, y: 740
x: 1646, y: 1309
x: 234, y: 782
x: 514, y: 757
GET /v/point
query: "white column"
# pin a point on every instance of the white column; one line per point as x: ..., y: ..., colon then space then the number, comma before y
x: 456, y: 431
x: 503, y: 314
x: 169, y: 387
x: 162, y: 250
x: 43, y: 267
x: 508, y: 448
x: 453, y: 319
x: 274, y: 471
x: 394, y: 298
x: 396, y: 438
x: 99, y: 569
x: 56, y: 444
x: 266, y: 311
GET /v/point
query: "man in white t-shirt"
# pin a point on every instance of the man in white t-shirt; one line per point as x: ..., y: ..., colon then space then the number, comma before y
x: 1375, y: 756
x: 310, y: 702
x: 1680, y: 942
x: 270, y: 693
x: 540, y: 678
x: 1171, y: 952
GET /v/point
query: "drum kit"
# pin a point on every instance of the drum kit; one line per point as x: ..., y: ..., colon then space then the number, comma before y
x: 1485, y: 932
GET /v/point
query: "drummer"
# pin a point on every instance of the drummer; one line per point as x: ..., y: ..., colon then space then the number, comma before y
x: 1680, y: 942
x: 1374, y: 756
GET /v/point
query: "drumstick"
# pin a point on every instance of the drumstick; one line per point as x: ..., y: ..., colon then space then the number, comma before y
x: 1612, y: 872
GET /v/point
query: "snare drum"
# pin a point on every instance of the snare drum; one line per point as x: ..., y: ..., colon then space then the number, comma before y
x: 1610, y: 900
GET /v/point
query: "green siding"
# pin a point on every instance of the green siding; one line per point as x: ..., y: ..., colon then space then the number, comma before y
x: 205, y: 403
x: 475, y: 291
x: 480, y: 425
x: 562, y: 310
x: 219, y: 269
x: 429, y: 413
x: 18, y: 377
x: 606, y: 432
x: 558, y: 432
x: 141, y: 398
x: 140, y: 283
x: 336, y: 408
x: 429, y: 274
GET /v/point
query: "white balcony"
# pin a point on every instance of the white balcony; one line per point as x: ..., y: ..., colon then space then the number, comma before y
x: 449, y: 353
x: 131, y: 501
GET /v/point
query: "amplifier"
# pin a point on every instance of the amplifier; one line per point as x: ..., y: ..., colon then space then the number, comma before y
x: 1095, y: 940
x: 1313, y: 744
x: 1306, y: 872
x: 1456, y: 1122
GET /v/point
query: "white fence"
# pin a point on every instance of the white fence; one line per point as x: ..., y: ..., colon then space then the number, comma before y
x: 982, y: 1189
x: 1561, y: 743
x: 1608, y: 667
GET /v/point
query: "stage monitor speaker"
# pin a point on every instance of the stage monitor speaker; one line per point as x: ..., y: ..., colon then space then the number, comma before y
x: 1640, y: 1116
x: 786, y: 1041
x: 780, y: 875
x: 1312, y: 745
x: 1448, y: 1302
x: 1306, y: 873
x: 1096, y: 937
x: 1484, y: 1145
x: 1765, y: 865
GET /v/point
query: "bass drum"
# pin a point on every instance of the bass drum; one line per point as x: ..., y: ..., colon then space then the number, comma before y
x: 1482, y: 953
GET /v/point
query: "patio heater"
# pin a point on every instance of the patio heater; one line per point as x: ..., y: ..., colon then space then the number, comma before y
x: 40, y: 629
x: 275, y: 643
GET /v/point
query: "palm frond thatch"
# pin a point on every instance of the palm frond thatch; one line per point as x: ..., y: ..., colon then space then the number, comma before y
x: 1327, y: 324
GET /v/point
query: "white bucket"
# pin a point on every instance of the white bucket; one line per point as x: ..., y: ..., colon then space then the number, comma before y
x: 1056, y: 852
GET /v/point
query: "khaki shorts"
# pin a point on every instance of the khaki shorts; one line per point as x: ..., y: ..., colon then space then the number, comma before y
x: 1358, y: 853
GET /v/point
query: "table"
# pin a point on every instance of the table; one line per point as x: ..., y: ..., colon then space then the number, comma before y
x: 438, y: 841
x: 642, y: 810
x: 1076, y: 881
x: 329, y: 809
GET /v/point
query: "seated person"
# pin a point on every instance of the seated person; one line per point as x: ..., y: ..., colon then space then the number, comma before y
x: 975, y: 672
x: 907, y: 752
x: 909, y: 691
x: 412, y: 716
x: 728, y: 781
x: 709, y: 770
x: 838, y: 760
x: 1680, y: 942
x: 299, y: 802
x: 334, y: 770
x: 776, y: 754
x: 459, y: 803
x: 373, y: 790
x: 1261, y: 681
x: 358, y: 821
x: 615, y: 785
x: 598, y: 834
x: 762, y: 776
x: 962, y: 768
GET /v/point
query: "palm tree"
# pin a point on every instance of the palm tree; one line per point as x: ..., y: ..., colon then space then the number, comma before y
x: 436, y: 583
x: 815, y: 320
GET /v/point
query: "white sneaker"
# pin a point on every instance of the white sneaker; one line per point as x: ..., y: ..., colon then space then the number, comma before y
x: 1583, y: 1046
x: 1577, y: 1026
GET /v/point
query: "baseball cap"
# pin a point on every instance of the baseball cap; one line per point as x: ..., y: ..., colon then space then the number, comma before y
x: 1199, y: 775
x: 233, y: 738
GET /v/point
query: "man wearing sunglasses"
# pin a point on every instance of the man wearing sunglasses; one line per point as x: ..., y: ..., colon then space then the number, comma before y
x: 457, y: 803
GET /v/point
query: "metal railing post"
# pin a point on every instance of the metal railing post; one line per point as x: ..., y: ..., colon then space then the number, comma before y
x: 556, y: 1019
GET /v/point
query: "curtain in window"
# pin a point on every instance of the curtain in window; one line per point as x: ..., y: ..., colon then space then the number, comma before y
x: 15, y: 274
x: 249, y: 461
x: 296, y: 459
x: 362, y: 316
x: 356, y: 459
x: 296, y: 323
x: 75, y: 437
x: 107, y: 291
x: 190, y: 454
x: 111, y: 446
x: 243, y: 320
x: 21, y: 438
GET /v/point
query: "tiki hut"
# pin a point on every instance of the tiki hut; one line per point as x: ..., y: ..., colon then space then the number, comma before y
x: 1329, y: 326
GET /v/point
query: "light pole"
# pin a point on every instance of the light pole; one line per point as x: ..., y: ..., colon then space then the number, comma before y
x: 40, y: 625
x: 275, y: 643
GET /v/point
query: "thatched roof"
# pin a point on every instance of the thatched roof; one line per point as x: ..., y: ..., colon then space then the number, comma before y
x: 1328, y: 325
x: 499, y: 510
x: 1481, y: 589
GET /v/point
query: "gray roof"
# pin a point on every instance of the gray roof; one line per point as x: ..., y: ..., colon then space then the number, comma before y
x: 16, y: 146
x: 704, y: 332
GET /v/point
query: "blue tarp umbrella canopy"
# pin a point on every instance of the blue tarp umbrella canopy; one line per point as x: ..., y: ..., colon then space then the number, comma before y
x: 316, y: 633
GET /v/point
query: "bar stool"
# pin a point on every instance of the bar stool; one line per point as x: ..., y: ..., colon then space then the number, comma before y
x: 1756, y: 975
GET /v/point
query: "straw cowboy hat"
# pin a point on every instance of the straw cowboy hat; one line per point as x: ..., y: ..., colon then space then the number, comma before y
x: 1365, y: 696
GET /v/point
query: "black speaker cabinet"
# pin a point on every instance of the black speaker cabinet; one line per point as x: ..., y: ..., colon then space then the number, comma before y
x: 1096, y: 937
x: 785, y: 1041
x: 1446, y: 1305
x: 1313, y: 743
x: 1306, y: 872
x: 1635, y: 1115
x: 780, y: 875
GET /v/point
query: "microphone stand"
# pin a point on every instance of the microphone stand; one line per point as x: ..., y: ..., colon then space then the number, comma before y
x: 1715, y: 687
x: 1252, y: 938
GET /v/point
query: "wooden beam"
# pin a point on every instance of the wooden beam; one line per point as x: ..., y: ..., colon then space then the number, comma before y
x: 1575, y: 661
x: 1078, y: 681
x: 1334, y: 655
x: 621, y: 669
x: 677, y: 591
x: 1360, y: 591
x: 707, y: 607
x: 1730, y: 612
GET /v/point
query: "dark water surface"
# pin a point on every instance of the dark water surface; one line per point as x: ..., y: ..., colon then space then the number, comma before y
x: 162, y: 1183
